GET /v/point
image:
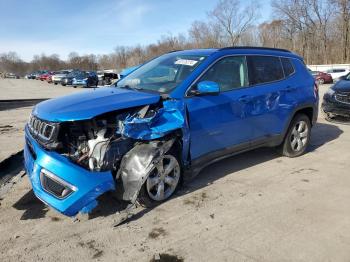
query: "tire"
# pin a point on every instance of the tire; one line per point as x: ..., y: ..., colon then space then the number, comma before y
x: 298, y: 137
x: 55, y: 84
x: 148, y: 195
x: 63, y: 84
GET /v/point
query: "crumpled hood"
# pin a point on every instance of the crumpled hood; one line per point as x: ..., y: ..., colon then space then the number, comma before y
x: 342, y: 86
x: 88, y: 104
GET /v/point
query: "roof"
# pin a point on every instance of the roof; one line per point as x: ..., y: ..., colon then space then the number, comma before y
x: 240, y: 49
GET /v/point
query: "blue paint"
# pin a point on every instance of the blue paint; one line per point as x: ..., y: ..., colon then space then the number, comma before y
x: 89, y: 185
x: 89, y: 103
x: 208, y: 87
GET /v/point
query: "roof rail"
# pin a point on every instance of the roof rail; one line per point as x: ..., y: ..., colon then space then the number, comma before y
x: 255, y: 47
x: 176, y: 50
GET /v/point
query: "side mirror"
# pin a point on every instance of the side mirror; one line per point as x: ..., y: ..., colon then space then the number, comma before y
x: 206, y: 88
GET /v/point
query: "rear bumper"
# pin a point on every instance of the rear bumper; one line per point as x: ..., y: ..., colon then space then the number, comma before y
x: 87, y: 185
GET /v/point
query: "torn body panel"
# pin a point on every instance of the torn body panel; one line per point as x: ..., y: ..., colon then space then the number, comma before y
x: 138, y: 163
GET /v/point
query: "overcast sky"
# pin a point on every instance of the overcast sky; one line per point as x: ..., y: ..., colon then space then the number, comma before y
x: 31, y: 27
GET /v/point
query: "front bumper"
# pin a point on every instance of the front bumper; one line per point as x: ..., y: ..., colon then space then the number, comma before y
x: 87, y: 185
x: 332, y: 106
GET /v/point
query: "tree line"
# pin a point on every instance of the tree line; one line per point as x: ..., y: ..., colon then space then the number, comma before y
x: 318, y: 30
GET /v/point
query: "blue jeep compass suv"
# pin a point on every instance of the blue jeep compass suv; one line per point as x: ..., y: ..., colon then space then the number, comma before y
x: 165, y: 121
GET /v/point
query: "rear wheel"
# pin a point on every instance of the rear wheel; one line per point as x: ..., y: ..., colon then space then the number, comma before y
x: 162, y: 181
x: 298, y: 136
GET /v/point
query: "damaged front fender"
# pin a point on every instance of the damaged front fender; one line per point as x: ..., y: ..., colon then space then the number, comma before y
x: 160, y: 123
x: 138, y: 163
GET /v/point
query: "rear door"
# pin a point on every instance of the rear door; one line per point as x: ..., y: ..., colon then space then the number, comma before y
x: 273, y: 95
x: 218, y: 123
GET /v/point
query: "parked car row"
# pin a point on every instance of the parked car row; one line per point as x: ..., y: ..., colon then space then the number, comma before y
x: 74, y: 77
x: 66, y: 77
x: 11, y: 75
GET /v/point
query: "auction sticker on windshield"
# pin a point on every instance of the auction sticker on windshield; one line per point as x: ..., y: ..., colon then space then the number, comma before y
x: 186, y: 62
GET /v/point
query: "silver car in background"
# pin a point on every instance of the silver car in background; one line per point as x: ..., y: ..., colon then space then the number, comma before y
x: 57, y: 77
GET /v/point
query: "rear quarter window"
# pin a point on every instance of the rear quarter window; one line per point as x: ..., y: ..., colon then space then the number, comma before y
x: 264, y: 69
x: 287, y: 66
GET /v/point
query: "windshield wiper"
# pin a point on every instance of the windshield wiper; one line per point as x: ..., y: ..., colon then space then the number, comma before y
x: 126, y: 87
x: 131, y: 88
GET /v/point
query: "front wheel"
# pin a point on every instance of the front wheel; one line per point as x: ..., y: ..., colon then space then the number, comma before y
x: 298, y: 137
x: 162, y: 181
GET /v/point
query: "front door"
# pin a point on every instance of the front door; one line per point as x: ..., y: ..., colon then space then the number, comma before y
x: 218, y: 123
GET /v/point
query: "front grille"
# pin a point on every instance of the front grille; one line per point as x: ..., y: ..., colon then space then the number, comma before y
x: 55, y: 186
x: 41, y: 128
x: 343, y: 97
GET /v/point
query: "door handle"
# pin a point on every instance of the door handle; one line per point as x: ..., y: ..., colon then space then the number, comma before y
x: 245, y: 99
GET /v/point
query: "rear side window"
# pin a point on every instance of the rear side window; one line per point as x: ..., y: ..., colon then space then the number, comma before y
x: 264, y: 69
x: 287, y: 67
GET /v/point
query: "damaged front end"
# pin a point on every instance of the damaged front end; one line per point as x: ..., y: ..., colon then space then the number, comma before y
x: 71, y: 163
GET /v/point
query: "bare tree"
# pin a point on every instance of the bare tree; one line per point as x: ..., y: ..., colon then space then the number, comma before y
x: 234, y: 19
x: 343, y: 11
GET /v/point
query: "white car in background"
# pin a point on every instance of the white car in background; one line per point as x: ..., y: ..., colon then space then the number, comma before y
x: 336, y: 73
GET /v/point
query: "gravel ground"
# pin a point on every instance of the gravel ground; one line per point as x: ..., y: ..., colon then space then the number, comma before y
x: 31, y: 89
x: 257, y: 206
x: 13, y: 119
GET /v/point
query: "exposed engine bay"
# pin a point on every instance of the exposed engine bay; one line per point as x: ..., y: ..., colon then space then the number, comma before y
x: 94, y: 144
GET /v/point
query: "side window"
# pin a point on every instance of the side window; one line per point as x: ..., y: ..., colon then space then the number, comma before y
x: 230, y: 73
x: 264, y: 69
x: 287, y: 66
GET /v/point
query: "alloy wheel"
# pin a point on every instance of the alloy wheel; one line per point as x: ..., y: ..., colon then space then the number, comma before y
x: 299, y: 136
x: 164, y: 178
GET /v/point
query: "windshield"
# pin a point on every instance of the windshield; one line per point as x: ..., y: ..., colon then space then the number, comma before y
x: 347, y: 77
x: 162, y: 74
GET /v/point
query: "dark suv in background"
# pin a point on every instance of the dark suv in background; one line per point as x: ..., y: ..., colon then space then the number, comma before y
x: 336, y: 101
x: 85, y: 79
x: 80, y: 78
x: 165, y: 121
